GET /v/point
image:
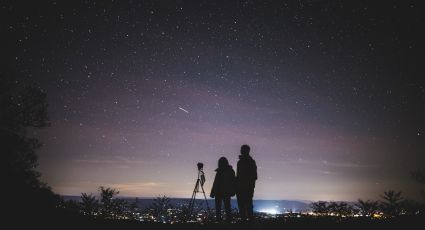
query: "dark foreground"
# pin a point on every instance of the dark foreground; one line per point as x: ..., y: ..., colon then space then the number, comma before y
x: 292, y: 223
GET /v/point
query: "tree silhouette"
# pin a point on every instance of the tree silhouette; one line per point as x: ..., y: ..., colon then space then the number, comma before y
x: 89, y: 205
x: 392, y: 203
x: 367, y: 208
x: 111, y: 207
x: 23, y: 107
x: 108, y: 207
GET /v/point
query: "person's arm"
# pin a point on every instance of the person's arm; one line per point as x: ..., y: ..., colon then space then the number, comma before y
x: 233, y: 183
x: 254, y: 170
x: 238, y: 168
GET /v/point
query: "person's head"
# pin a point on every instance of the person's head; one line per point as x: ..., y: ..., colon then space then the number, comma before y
x: 245, y: 150
x: 223, y: 162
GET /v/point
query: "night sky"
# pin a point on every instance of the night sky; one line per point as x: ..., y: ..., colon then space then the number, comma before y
x: 330, y: 95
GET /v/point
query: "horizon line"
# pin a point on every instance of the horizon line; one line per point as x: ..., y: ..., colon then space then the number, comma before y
x: 208, y: 198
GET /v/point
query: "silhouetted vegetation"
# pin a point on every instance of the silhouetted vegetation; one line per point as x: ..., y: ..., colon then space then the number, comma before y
x: 339, y: 209
x: 321, y: 208
x: 392, y: 203
x: 367, y: 208
x: 111, y: 208
x: 89, y: 205
x: 23, y: 108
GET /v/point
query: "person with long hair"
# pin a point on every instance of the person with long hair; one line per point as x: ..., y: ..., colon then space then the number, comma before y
x: 223, y: 188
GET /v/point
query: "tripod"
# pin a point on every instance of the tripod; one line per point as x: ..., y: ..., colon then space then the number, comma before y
x: 199, y: 183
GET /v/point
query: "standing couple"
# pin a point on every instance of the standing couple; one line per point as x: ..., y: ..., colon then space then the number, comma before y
x: 226, y: 185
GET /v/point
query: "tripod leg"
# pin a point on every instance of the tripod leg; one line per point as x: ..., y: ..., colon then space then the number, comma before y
x: 205, y: 197
x: 192, y: 199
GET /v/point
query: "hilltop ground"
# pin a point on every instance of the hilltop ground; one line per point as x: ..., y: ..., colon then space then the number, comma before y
x: 269, y: 224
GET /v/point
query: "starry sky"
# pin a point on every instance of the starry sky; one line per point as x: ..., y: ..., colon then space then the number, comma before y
x: 330, y: 95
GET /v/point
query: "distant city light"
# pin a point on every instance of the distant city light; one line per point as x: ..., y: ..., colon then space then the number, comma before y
x: 271, y: 211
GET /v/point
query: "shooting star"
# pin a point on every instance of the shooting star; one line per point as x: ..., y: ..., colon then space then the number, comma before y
x: 183, y: 110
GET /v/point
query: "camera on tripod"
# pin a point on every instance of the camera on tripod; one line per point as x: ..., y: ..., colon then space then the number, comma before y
x: 201, y: 175
x: 199, y: 187
x: 200, y: 166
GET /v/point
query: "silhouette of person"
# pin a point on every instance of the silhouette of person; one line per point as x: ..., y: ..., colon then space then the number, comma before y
x: 223, y: 188
x: 246, y: 176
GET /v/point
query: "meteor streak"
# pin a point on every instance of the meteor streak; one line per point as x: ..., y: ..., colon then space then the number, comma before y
x: 183, y: 110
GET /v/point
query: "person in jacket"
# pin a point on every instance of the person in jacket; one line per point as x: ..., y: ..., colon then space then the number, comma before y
x: 223, y: 188
x: 245, y: 183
